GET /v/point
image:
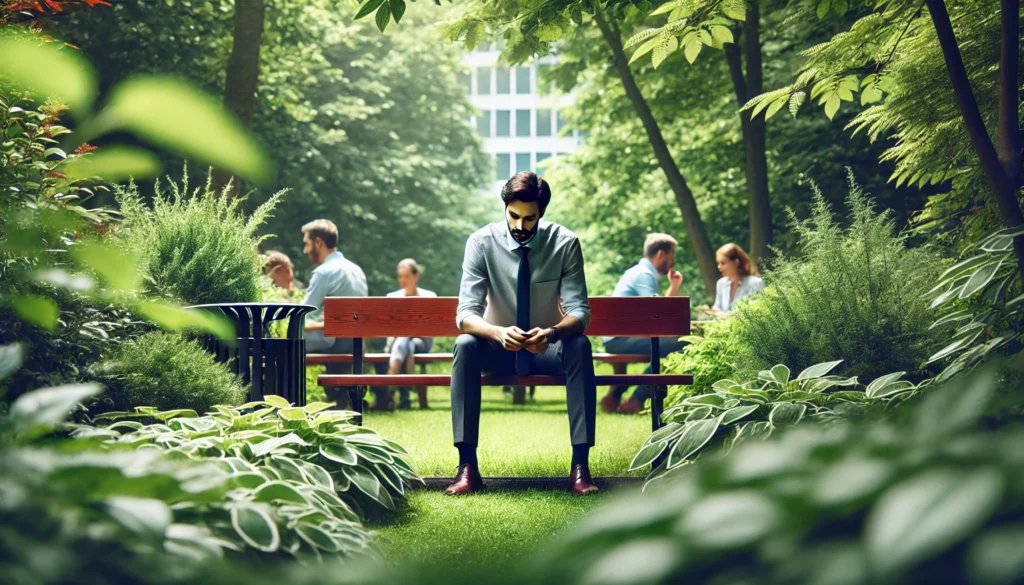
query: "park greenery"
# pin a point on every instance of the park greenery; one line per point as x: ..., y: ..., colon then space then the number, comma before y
x: 856, y: 422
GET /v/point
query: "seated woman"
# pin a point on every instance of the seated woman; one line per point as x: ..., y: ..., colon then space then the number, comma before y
x: 740, y: 279
x: 402, y: 349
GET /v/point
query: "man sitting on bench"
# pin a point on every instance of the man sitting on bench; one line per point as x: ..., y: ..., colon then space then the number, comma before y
x: 513, y: 273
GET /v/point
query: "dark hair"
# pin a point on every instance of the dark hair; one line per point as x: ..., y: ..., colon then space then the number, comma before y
x: 275, y: 260
x: 734, y: 253
x: 323, y: 229
x: 528, y: 188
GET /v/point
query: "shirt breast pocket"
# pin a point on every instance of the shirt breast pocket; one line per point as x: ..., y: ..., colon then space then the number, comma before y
x: 545, y: 291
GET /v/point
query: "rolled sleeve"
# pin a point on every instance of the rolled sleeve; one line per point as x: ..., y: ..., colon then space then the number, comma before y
x: 574, y: 284
x: 473, y: 290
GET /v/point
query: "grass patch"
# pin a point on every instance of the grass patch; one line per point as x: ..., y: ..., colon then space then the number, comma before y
x: 491, y: 529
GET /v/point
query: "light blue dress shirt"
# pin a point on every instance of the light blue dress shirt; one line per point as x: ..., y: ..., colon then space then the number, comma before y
x: 491, y: 267
x: 336, y: 277
x: 639, y: 281
x: 748, y: 285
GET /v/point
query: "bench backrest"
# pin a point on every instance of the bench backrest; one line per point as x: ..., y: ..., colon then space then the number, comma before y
x: 351, y: 317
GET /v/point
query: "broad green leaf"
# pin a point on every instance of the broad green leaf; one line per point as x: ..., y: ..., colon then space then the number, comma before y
x: 666, y: 8
x: 640, y: 560
x: 692, y: 49
x: 36, y: 309
x: 316, y: 473
x: 293, y: 413
x: 145, y: 517
x: 317, y: 537
x: 663, y: 50
x: 175, y: 318
x: 881, y: 382
x: 339, y: 452
x: 48, y: 70
x: 277, y: 401
x: 113, y: 266
x: 383, y: 17
x: 778, y: 374
x: 249, y: 480
x: 181, y: 118
x: 396, y: 447
x: 870, y: 95
x: 365, y: 481
x: 255, y: 526
x: 818, y: 370
x: 775, y: 107
x: 49, y: 406
x: 665, y: 432
x: 722, y: 34
x: 786, y: 413
x: 823, y: 6
x: 167, y: 415
x: 926, y: 514
x: 734, y: 414
x: 114, y: 164
x: 367, y: 8
x: 390, y: 477
x: 397, y: 9
x: 729, y: 520
x: 832, y: 105
x: 10, y: 359
x: 266, y: 447
x: 644, y: 49
x: 849, y: 480
x: 315, y: 407
x: 735, y: 9
x: 981, y: 277
x: 288, y: 468
x: 697, y: 413
x: 278, y: 491
x: 708, y: 399
x: 694, y: 436
x: 754, y: 430
x: 647, y: 455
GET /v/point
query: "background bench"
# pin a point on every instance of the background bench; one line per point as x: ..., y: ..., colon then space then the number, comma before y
x: 618, y: 361
x: 357, y: 318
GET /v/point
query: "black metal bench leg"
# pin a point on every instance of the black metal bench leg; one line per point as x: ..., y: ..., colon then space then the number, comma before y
x: 355, y: 397
x: 658, y: 394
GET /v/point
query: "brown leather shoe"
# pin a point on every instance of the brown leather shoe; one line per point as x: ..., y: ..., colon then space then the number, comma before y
x: 609, y: 403
x: 630, y: 406
x: 580, y: 481
x: 467, y: 481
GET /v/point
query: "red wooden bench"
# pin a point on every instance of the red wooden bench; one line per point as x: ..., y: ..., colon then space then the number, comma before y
x: 361, y: 317
x: 618, y: 361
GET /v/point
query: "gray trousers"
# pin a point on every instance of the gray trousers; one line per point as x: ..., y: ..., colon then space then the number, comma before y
x: 571, y: 357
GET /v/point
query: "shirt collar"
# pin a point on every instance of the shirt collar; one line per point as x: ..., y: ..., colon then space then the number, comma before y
x: 335, y: 255
x: 649, y: 266
x: 511, y: 242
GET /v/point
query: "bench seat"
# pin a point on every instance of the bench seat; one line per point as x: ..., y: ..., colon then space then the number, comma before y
x: 314, y: 359
x: 487, y: 380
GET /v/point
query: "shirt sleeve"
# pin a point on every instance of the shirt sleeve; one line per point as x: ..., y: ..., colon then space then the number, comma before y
x: 473, y: 290
x: 574, y: 284
x: 646, y: 285
x: 316, y: 291
x: 719, y: 298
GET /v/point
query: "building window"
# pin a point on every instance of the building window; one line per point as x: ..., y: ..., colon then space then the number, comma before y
x: 542, y: 156
x: 562, y: 122
x: 523, y: 80
x: 522, y: 122
x: 483, y: 124
x: 466, y: 81
x: 522, y: 162
x: 483, y: 80
x: 543, y: 122
x: 504, y: 123
x: 504, y: 167
x: 502, y: 81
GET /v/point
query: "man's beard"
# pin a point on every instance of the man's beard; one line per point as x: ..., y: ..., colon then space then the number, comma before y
x: 523, y: 236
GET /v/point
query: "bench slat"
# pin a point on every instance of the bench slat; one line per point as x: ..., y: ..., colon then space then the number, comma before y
x: 332, y: 380
x: 313, y: 359
x: 352, y: 317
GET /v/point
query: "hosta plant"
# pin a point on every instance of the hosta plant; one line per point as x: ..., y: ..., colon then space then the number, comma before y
x: 735, y: 411
x: 273, y: 440
x: 981, y: 295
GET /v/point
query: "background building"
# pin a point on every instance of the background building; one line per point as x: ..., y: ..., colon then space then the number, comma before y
x: 521, y: 123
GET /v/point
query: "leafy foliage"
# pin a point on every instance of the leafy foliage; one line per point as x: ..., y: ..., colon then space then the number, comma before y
x: 709, y: 356
x: 283, y: 442
x: 981, y: 296
x: 857, y: 294
x: 195, y: 247
x: 168, y: 371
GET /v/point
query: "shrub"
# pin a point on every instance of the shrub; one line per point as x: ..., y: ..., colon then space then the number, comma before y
x: 168, y: 371
x: 710, y: 356
x: 856, y: 295
x: 195, y: 247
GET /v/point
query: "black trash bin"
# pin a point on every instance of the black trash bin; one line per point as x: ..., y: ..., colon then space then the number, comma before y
x: 269, y: 365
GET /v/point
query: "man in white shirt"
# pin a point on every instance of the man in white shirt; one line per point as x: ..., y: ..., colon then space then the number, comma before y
x: 513, y: 274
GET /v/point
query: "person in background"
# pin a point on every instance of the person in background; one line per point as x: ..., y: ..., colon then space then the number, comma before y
x: 403, y: 349
x: 740, y: 279
x: 642, y: 281
x: 280, y: 270
x: 333, y: 276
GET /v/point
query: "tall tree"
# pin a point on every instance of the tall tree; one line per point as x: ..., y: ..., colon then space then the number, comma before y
x: 243, y: 73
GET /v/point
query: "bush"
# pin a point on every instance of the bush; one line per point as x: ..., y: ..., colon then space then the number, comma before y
x: 710, y: 356
x: 195, y: 247
x: 856, y: 295
x: 168, y: 371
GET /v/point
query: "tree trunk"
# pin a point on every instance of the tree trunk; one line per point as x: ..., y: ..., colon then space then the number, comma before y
x: 754, y: 140
x: 1004, y: 189
x: 1008, y: 132
x: 242, y: 74
x: 684, y: 197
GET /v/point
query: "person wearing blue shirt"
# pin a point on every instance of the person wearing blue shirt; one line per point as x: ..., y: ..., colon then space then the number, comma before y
x: 740, y: 279
x: 642, y: 281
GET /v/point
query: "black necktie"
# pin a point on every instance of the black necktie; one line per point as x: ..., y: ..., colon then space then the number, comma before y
x: 523, y: 309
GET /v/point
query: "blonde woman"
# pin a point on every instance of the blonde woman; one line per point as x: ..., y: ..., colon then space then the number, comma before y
x: 740, y: 279
x: 402, y: 349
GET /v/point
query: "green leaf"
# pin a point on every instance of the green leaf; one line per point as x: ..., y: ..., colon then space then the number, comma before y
x: 786, y: 413
x: 167, y: 415
x: 832, y: 105
x: 695, y: 436
x: 365, y: 481
x: 49, y: 70
x: 795, y: 101
x: 339, y: 452
x: 644, y: 49
x: 779, y: 374
x: 709, y: 399
x: 870, y: 95
x: 722, y: 34
x: 692, y: 49
x: 145, y: 517
x: 734, y: 414
x: 735, y: 9
x: 367, y: 8
x: 278, y: 491
x: 115, y: 268
x: 397, y: 9
x: 665, y: 432
x: 997, y: 556
x: 38, y: 310
x: 926, y: 514
x: 775, y: 107
x: 730, y: 520
x: 823, y: 7
x: 49, y: 406
x: 663, y: 50
x: 114, y: 163
x: 277, y: 401
x: 881, y: 382
x: 383, y: 16
x: 11, y: 357
x: 266, y: 447
x: 849, y: 480
x: 317, y: 537
x: 176, y: 116
x: 293, y: 413
x: 255, y: 526
x: 175, y: 318
x: 647, y: 455
x: 818, y: 370
x: 981, y: 277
